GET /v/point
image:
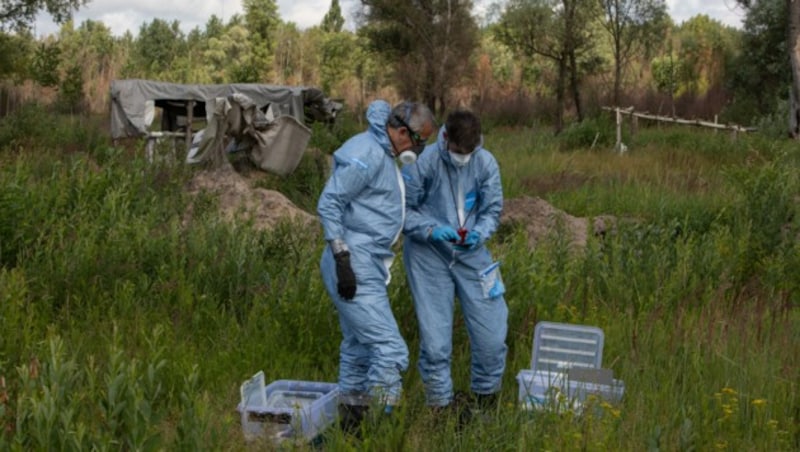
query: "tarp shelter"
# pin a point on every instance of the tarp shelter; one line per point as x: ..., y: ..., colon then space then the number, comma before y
x: 286, y: 108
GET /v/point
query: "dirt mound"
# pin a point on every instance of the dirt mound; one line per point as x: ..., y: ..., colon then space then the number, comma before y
x: 267, y: 208
x: 236, y: 197
x: 540, y: 220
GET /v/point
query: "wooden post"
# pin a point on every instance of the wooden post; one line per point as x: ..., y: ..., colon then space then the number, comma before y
x: 618, y: 146
x: 715, y: 123
x: 149, y: 149
x: 189, y: 120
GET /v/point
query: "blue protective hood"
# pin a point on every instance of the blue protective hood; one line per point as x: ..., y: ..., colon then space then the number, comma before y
x: 377, y: 116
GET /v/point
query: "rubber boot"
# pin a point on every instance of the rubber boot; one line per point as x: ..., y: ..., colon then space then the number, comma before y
x: 486, y: 402
x: 459, y: 408
x: 351, y: 417
x: 485, y: 407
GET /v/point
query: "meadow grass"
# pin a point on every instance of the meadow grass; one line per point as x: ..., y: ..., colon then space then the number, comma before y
x: 127, y: 327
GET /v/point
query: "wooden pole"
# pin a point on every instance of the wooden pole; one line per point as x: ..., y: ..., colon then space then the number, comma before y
x: 189, y: 120
x: 659, y: 119
x: 618, y: 146
x: 149, y: 149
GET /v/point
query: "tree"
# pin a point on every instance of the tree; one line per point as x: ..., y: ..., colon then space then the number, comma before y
x: 288, y: 53
x: 71, y: 97
x: 706, y: 46
x: 368, y: 72
x: 558, y: 30
x: 333, y: 20
x: 634, y: 26
x: 44, y: 67
x: 93, y: 46
x: 262, y: 21
x: 430, y: 41
x: 794, y: 57
x: 778, y: 23
x: 214, y: 27
x: 762, y: 74
x: 20, y: 14
x: 228, y: 56
x: 337, y: 51
x: 666, y: 71
x: 158, y: 45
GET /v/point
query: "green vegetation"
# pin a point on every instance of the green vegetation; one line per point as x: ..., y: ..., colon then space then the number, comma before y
x: 523, y: 62
x: 127, y: 325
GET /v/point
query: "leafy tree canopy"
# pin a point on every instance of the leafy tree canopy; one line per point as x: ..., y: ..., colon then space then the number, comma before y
x: 20, y: 14
x: 333, y: 20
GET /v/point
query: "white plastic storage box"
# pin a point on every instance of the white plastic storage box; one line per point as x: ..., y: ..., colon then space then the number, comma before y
x: 556, y: 391
x: 286, y: 409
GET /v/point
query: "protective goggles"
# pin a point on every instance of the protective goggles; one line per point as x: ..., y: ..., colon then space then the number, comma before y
x: 418, y: 144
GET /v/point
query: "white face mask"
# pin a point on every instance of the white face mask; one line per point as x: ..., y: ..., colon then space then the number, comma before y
x: 459, y: 159
x: 407, y: 157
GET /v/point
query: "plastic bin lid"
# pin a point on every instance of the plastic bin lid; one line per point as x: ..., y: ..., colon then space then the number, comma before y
x: 252, y: 391
x: 558, y: 347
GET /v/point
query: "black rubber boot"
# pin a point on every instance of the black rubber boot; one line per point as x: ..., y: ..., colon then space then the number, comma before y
x: 460, y: 407
x: 486, y: 402
x: 351, y: 417
x: 485, y: 407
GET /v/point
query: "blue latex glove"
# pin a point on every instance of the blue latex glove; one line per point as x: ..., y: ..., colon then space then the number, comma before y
x: 444, y: 233
x: 470, y: 241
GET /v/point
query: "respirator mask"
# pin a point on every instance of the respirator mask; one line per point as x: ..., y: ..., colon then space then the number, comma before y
x: 410, y: 155
x: 460, y: 157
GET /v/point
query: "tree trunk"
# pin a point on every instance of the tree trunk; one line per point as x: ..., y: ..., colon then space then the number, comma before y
x: 429, y: 85
x: 794, y: 56
x: 561, y: 84
x: 574, y: 85
x: 617, y: 71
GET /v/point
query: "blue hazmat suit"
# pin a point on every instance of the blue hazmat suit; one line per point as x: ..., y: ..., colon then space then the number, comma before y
x: 363, y: 204
x: 441, y: 193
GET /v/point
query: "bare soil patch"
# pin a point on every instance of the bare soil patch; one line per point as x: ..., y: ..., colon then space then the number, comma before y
x: 238, y: 199
x: 541, y: 220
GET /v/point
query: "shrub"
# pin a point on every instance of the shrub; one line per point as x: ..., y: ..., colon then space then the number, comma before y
x: 598, y: 132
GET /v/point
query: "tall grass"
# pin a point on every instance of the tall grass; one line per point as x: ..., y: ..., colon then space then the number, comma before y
x: 124, y: 327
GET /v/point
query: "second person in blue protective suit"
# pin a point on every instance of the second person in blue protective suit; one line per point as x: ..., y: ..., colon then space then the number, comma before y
x: 361, y: 210
x: 454, y: 199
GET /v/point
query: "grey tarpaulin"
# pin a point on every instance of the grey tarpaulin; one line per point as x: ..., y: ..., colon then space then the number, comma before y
x: 274, y: 145
x: 132, y: 102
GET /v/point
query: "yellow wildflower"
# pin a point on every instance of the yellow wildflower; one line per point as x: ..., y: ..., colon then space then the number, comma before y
x: 772, y: 423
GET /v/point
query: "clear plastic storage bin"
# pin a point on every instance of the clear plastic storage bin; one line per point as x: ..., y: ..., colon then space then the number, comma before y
x: 566, y: 369
x: 286, y: 409
x: 555, y: 391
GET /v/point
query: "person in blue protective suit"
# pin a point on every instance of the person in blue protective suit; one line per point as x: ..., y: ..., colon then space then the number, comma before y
x: 362, y: 209
x: 454, y: 200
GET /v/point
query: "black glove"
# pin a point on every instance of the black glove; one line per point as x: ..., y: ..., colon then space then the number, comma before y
x: 346, y: 279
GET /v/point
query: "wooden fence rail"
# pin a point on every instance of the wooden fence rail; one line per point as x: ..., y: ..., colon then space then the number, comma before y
x: 735, y: 129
